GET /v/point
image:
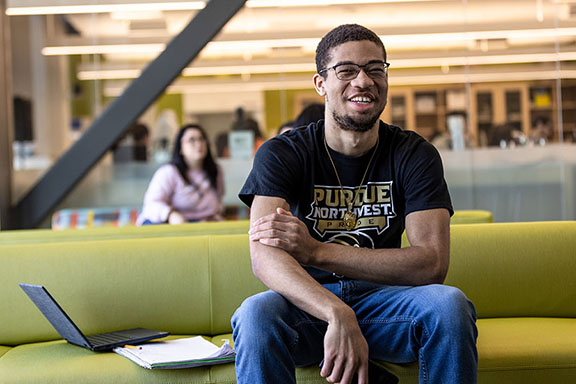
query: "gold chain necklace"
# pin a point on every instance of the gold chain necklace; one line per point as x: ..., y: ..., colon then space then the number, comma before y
x: 350, y: 218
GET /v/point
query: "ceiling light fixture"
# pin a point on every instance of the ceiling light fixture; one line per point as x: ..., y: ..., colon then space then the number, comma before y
x: 102, y: 49
x: 109, y: 74
x: 15, y: 9
x: 442, y: 62
x: 116, y: 89
x: 314, y: 3
x: 309, y: 44
x: 483, y: 60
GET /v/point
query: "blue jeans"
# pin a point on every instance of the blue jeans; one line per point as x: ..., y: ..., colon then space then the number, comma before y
x: 433, y: 324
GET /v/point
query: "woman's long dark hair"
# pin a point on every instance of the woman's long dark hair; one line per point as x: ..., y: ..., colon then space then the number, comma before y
x: 208, y: 164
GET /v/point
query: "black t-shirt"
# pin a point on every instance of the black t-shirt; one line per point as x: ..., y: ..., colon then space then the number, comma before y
x: 405, y: 175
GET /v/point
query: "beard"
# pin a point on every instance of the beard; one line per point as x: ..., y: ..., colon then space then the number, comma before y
x: 348, y: 123
x: 362, y: 123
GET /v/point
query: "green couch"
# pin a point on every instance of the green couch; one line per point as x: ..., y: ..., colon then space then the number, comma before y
x: 166, y: 230
x: 519, y: 275
x: 28, y: 236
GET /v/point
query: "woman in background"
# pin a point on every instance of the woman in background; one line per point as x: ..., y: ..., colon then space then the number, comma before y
x: 189, y: 188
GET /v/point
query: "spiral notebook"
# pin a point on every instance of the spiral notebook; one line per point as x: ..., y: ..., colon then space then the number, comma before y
x: 180, y: 353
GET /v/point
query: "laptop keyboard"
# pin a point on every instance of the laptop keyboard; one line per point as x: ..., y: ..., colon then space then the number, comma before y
x: 106, y: 338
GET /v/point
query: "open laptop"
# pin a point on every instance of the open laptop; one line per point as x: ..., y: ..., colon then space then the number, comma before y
x: 69, y: 331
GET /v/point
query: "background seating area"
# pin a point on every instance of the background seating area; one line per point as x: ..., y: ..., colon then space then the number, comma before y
x: 94, y: 217
x: 81, y: 218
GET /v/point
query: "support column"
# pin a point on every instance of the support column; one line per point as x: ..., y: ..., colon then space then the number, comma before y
x: 6, y: 119
x: 51, y: 118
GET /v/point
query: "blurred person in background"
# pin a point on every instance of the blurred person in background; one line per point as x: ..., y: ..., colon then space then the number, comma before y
x: 541, y: 132
x: 311, y: 114
x: 287, y: 126
x: 133, y: 145
x: 242, y: 123
x: 507, y: 135
x: 188, y: 189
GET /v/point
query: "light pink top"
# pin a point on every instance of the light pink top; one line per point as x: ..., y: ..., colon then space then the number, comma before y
x: 167, y: 191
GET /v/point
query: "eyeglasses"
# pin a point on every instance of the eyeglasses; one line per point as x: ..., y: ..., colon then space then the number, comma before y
x: 195, y: 140
x: 346, y: 71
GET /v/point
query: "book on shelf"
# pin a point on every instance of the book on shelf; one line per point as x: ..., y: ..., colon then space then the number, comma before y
x: 180, y: 353
x: 425, y: 103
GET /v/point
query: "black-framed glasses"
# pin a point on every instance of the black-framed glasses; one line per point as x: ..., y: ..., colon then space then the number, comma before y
x: 195, y: 140
x: 349, y: 71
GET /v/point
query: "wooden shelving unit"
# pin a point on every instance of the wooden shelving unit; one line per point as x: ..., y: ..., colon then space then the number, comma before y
x: 398, y: 110
x: 569, y: 111
x: 425, y: 109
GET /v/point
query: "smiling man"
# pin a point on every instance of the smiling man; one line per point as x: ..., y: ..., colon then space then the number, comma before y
x: 329, y: 203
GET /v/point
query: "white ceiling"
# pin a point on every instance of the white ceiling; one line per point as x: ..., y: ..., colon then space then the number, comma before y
x: 414, y: 32
x: 396, y: 18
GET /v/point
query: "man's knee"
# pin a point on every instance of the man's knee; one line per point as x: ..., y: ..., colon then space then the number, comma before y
x: 451, y: 305
x: 259, y: 309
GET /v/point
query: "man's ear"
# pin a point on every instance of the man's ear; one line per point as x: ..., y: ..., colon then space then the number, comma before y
x: 319, y: 84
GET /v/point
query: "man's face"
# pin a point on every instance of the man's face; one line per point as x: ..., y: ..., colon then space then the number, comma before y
x: 354, y: 104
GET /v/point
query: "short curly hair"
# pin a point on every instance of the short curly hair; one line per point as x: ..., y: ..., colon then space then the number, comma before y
x: 340, y: 35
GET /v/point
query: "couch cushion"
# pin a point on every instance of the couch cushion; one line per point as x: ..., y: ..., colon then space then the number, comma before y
x: 231, y: 278
x: 184, y: 285
x: 472, y: 216
x: 515, y: 269
x: 59, y: 362
x: 118, y: 284
x: 4, y: 349
x: 532, y: 344
x: 130, y: 232
x: 518, y: 351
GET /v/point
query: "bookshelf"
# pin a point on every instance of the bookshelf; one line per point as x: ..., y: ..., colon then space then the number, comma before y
x: 425, y: 109
x: 569, y: 111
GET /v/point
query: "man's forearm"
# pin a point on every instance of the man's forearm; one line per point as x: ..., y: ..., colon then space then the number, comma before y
x: 406, y: 266
x: 424, y: 262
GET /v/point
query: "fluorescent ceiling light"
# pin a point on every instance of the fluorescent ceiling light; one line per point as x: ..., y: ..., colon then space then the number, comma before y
x: 102, y: 49
x: 15, y: 10
x: 309, y: 44
x: 426, y: 39
x: 212, y: 48
x: 250, y: 69
x: 314, y: 3
x: 105, y: 8
x: 116, y: 90
x: 483, y: 60
x: 108, y: 74
x: 396, y: 81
